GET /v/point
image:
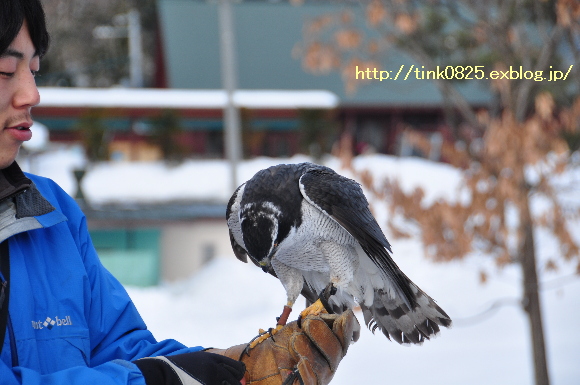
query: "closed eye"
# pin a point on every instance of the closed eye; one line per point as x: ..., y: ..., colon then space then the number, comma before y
x: 11, y: 74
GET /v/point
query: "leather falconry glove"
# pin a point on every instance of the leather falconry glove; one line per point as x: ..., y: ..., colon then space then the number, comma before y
x: 308, y: 354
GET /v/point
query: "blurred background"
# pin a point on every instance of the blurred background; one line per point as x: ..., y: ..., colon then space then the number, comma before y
x: 461, y: 119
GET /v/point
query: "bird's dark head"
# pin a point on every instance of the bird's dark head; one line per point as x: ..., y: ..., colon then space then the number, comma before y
x: 259, y: 224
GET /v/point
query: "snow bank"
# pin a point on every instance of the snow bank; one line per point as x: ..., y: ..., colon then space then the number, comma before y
x: 227, y: 302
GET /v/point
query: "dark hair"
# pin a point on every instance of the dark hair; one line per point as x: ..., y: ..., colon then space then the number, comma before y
x: 12, y: 16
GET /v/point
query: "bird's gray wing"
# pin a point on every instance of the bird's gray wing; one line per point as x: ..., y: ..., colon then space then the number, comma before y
x: 343, y: 200
x: 410, y: 316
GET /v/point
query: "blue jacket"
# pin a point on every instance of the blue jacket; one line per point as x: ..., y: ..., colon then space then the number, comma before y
x: 71, y: 320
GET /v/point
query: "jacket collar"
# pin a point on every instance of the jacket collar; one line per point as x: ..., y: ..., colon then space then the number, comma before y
x: 12, y: 181
x: 22, y: 206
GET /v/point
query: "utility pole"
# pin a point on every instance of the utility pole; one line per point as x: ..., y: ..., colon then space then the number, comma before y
x: 232, y: 135
x: 135, y: 49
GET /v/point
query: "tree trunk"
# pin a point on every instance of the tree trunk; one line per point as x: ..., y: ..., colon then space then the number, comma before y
x: 531, y: 298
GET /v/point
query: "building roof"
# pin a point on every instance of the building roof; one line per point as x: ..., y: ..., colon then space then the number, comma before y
x: 148, y: 213
x: 184, y: 99
x: 266, y: 34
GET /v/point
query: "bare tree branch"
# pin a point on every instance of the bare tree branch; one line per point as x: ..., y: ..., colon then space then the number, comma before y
x: 523, y: 95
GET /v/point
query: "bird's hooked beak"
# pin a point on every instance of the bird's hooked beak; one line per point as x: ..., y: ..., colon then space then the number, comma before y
x: 265, y: 265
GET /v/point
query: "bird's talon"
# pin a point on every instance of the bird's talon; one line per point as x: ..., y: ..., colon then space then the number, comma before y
x: 272, y: 331
x: 263, y: 336
x: 315, y: 309
x: 247, y: 350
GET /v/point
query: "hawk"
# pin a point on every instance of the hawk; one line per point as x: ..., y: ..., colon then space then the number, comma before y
x: 312, y: 229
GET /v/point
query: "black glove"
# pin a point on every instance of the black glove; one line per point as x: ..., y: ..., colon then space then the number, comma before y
x: 197, y: 368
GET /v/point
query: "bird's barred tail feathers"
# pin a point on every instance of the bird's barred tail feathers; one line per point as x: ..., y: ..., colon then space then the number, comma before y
x: 398, y: 322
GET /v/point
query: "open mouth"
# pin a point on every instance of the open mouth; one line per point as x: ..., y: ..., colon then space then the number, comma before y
x: 19, y: 128
x: 21, y: 133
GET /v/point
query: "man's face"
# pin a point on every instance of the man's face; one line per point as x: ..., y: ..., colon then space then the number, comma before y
x: 18, y: 94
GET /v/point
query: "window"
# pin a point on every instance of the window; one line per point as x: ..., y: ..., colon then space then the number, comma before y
x: 131, y: 255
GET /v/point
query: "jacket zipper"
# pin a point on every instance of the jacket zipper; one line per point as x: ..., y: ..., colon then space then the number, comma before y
x: 2, y: 290
x: 13, y: 352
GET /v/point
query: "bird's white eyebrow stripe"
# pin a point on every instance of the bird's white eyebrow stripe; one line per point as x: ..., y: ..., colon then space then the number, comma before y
x: 234, y: 221
x: 269, y: 205
x: 272, y: 207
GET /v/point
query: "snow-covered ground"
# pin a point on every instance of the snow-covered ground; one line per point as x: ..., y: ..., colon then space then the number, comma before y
x: 228, y: 301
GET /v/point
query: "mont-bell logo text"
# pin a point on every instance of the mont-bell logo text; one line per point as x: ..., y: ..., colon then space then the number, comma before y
x: 49, y: 322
